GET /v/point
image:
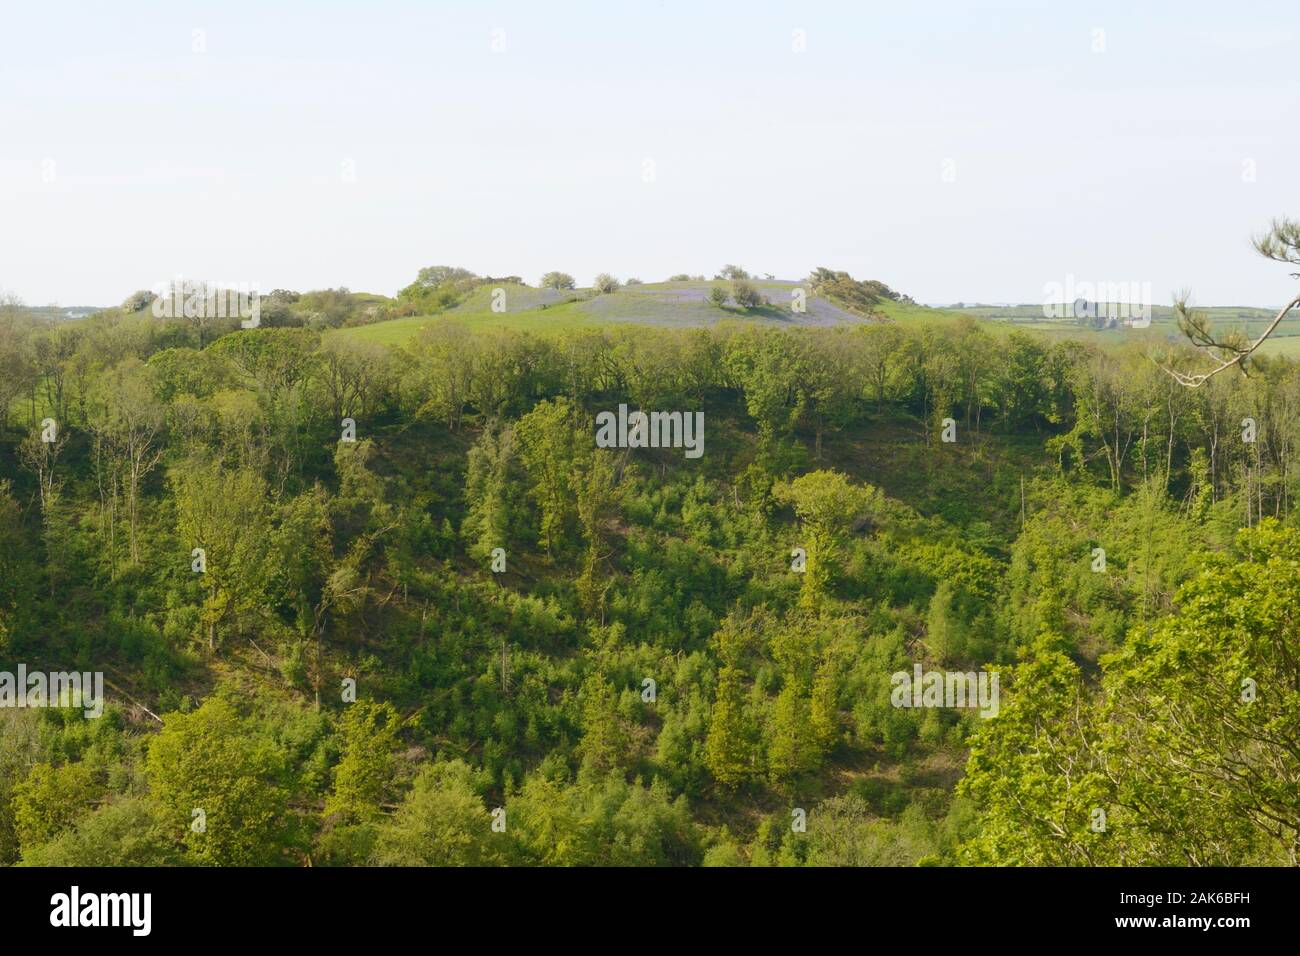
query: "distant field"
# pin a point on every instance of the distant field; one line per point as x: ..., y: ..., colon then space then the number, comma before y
x: 57, y: 313
x: 1249, y: 319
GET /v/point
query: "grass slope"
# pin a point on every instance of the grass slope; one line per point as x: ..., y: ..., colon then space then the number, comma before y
x: 662, y: 304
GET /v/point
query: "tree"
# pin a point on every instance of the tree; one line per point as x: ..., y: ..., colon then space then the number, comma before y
x: 604, y: 741
x: 558, y: 280
x: 127, y: 426
x: 729, y: 748
x: 830, y: 382
x: 492, y: 483
x: 443, y: 378
x: 825, y: 706
x: 765, y: 365
x: 745, y: 294
x: 355, y: 376
x: 1206, y: 712
x: 791, y: 748
x: 278, y: 367
x: 17, y: 571
x: 363, y: 777
x: 597, y: 502
x: 224, y: 513
x: 860, y: 296
x: 127, y: 831
x: 17, y: 371
x: 1191, y: 750
x: 605, y: 283
x: 138, y: 301
x: 943, y: 631
x: 433, y: 276
x: 210, y: 761
x: 51, y: 800
x: 826, y: 503
x: 794, y: 743
x: 42, y: 458
x: 436, y: 288
x: 304, y: 561
x: 1034, y: 771
x: 441, y: 822
x: 547, y: 438
x: 718, y: 296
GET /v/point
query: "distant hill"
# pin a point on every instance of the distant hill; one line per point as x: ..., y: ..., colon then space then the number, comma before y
x: 665, y: 303
x: 681, y: 304
x: 60, y: 312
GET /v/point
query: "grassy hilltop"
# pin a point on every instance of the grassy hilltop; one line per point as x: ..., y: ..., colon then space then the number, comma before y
x: 681, y: 304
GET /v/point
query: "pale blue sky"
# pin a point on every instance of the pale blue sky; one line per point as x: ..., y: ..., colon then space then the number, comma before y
x: 127, y: 157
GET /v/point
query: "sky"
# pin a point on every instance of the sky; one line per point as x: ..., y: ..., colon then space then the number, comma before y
x: 957, y: 151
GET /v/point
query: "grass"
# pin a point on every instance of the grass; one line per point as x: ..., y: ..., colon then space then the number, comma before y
x: 659, y: 304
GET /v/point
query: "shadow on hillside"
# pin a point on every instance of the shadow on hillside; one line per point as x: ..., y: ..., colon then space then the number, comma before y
x: 759, y: 312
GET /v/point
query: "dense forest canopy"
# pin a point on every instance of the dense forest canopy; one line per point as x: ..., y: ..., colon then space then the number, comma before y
x: 359, y: 603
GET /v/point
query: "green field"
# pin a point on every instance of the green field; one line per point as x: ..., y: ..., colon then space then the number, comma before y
x: 660, y: 304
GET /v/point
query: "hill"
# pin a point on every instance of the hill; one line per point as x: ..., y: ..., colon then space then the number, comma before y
x: 662, y: 304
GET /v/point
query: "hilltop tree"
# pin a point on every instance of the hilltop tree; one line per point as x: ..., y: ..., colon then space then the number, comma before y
x: 436, y: 288
x: 433, y: 276
x: 138, y: 301
x: 558, y: 280
x: 605, y: 283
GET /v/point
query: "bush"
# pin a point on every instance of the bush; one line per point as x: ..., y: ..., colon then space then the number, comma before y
x: 746, y: 295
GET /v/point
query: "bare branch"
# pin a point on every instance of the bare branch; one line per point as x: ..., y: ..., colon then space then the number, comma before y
x: 1281, y: 243
x: 1197, y: 328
